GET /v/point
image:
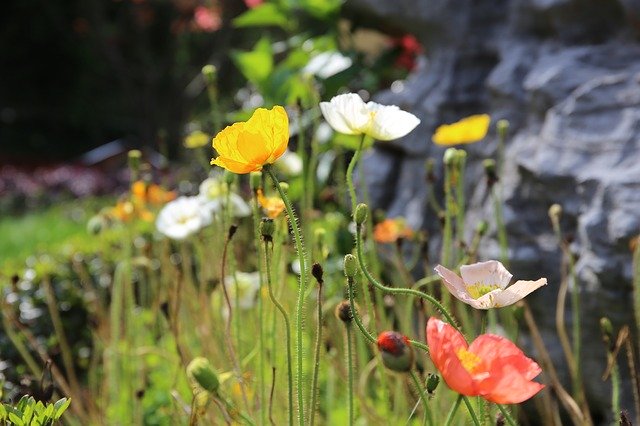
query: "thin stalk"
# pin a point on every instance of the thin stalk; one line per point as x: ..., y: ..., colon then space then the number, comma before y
x: 453, y: 411
x: 232, y: 352
x: 615, y: 391
x: 316, y: 360
x: 350, y: 371
x: 472, y: 413
x: 423, y: 397
x: 500, y: 228
x: 460, y: 204
x: 354, y: 313
x: 19, y: 345
x: 287, y: 327
x: 506, y: 415
x: 398, y: 290
x: 301, y: 290
x: 447, y: 232
x: 261, y: 317
x: 350, y: 168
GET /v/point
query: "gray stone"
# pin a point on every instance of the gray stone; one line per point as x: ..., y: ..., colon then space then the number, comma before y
x: 566, y: 74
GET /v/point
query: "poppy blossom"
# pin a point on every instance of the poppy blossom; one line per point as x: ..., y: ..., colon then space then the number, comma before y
x: 491, y: 366
x: 483, y: 285
x: 350, y: 115
x: 468, y: 130
x: 391, y: 230
x: 272, y: 206
x: 248, y: 145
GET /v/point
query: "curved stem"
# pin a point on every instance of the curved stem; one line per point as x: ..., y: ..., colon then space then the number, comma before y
x: 370, y: 337
x: 287, y: 327
x: 316, y: 360
x: 350, y: 370
x: 350, y: 168
x: 261, y: 313
x: 301, y: 289
x: 423, y: 397
x: 398, y: 290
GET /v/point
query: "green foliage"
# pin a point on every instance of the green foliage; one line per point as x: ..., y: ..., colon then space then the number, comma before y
x: 257, y: 64
x: 29, y: 412
x: 267, y: 14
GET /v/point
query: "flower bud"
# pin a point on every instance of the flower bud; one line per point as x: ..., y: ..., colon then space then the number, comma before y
x: 432, y: 382
x: 350, y: 266
x: 461, y: 157
x: 229, y: 177
x: 267, y: 227
x: 503, y: 128
x: 317, y: 272
x: 201, y: 371
x: 607, y: 329
x: 482, y: 227
x: 209, y: 72
x: 361, y: 213
x: 449, y: 157
x: 285, y: 187
x: 555, y: 211
x: 134, y: 159
x: 397, y: 353
x: 343, y: 311
x: 489, y: 165
x: 255, y: 180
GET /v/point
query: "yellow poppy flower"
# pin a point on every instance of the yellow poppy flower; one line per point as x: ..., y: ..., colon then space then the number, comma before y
x: 468, y: 130
x: 196, y: 139
x: 272, y: 206
x: 247, y: 146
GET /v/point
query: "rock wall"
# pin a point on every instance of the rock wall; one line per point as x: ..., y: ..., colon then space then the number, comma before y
x: 566, y: 74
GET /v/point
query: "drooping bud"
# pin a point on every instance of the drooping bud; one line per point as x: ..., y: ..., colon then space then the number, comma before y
x: 201, y: 371
x: 343, y: 311
x: 255, y: 180
x: 503, y: 128
x: 482, y: 227
x: 555, y: 211
x: 229, y: 177
x: 317, y: 272
x: 350, y: 266
x: 489, y: 165
x: 232, y: 231
x: 432, y: 382
x: 361, y: 213
x: 267, y: 227
x: 397, y: 353
x: 209, y: 72
x: 607, y: 329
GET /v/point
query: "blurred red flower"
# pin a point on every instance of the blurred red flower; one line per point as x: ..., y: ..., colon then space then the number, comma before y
x: 253, y: 3
x: 206, y: 20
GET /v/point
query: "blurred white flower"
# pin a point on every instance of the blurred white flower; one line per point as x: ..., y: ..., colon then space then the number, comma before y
x: 182, y: 217
x: 247, y: 285
x: 350, y: 115
x: 327, y: 64
x: 289, y: 163
x: 213, y: 195
x: 484, y: 285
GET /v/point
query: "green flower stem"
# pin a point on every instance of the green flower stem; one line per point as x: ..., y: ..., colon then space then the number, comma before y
x: 287, y: 327
x: 507, y: 415
x: 398, y: 290
x: 472, y: 413
x: 350, y: 370
x: 301, y: 290
x: 460, y: 204
x: 350, y: 168
x: 316, y: 360
x: 452, y: 412
x: 370, y: 337
x: 423, y: 397
x: 261, y: 314
x: 235, y: 412
x: 447, y: 236
x: 502, y: 231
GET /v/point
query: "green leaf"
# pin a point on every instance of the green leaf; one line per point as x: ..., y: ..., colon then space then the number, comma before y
x: 60, y: 406
x: 3, y: 412
x: 267, y: 14
x: 257, y: 64
x: 15, y: 420
x: 48, y: 412
x: 322, y: 9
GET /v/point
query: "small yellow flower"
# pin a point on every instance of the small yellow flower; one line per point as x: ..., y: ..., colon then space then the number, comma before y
x: 247, y: 146
x: 196, y: 139
x: 468, y: 130
x: 272, y: 206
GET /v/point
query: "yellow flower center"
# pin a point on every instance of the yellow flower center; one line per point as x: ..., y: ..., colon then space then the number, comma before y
x: 469, y: 360
x: 479, y: 289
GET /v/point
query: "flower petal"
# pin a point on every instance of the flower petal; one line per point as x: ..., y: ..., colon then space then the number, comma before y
x: 517, y: 291
x: 443, y: 341
x: 456, y: 286
x: 512, y: 387
x: 491, y: 273
x: 235, y: 166
x: 467, y: 130
x: 347, y: 114
x: 390, y: 122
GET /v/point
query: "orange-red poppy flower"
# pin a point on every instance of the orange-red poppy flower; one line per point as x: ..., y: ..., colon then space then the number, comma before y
x: 272, y: 206
x: 390, y: 230
x: 247, y: 146
x: 397, y: 353
x: 491, y: 367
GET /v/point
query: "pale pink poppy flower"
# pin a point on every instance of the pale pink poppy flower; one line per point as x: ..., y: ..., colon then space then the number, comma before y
x: 484, y: 285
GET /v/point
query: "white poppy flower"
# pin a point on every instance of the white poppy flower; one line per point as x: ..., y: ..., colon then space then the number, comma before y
x: 247, y: 285
x: 182, y: 217
x: 327, y: 64
x: 213, y: 195
x: 484, y: 285
x: 349, y: 114
x: 289, y: 163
